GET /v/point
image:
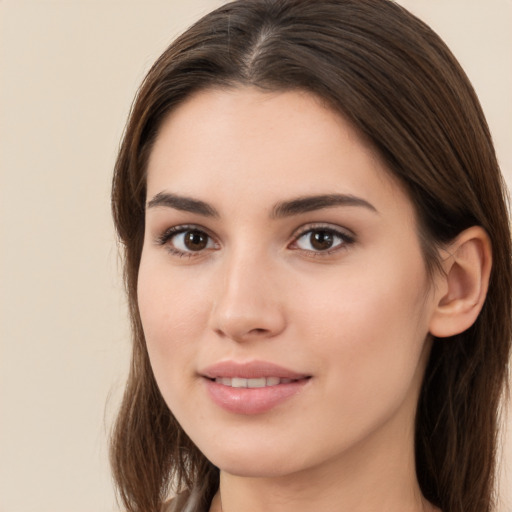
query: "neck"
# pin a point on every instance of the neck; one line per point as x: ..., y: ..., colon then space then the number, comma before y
x: 329, y: 495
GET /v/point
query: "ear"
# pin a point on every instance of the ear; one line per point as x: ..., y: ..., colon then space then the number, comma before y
x: 461, y: 290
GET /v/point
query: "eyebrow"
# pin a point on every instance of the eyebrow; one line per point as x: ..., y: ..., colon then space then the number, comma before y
x: 185, y: 204
x: 280, y: 210
x: 310, y: 203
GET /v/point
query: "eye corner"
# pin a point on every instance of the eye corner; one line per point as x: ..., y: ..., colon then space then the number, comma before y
x: 186, y: 240
x: 329, y: 239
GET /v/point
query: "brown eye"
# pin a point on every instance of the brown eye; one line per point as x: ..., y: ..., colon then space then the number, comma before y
x: 321, y: 240
x: 184, y: 240
x: 195, y: 240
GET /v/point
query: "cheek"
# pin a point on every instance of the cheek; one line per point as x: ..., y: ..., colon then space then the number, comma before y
x: 368, y: 330
x: 174, y: 316
x: 377, y: 303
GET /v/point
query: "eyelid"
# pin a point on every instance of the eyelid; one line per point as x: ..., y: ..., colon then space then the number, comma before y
x: 342, y: 231
x: 347, y: 235
x: 168, y: 233
x: 163, y: 238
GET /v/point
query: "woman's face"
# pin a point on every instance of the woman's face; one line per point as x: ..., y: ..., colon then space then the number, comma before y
x: 282, y: 288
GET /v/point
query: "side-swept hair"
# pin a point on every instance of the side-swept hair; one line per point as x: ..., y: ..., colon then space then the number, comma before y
x: 394, y: 79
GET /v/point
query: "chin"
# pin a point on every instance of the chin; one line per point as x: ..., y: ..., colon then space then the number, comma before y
x: 251, y: 469
x: 256, y: 462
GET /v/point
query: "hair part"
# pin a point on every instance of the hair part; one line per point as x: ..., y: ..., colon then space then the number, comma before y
x: 398, y: 84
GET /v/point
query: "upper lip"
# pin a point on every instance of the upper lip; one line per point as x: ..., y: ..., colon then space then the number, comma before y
x: 250, y: 370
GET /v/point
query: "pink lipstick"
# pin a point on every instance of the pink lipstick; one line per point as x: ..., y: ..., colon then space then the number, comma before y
x: 251, y: 388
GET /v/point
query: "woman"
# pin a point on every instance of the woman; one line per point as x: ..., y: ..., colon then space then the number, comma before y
x: 317, y: 259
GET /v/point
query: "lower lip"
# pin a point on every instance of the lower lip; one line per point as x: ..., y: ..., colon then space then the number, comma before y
x: 252, y: 400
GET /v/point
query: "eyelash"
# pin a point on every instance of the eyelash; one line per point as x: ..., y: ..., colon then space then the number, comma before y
x: 346, y: 239
x: 172, y: 232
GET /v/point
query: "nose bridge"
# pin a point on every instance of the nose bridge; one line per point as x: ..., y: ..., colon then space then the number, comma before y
x: 247, y: 301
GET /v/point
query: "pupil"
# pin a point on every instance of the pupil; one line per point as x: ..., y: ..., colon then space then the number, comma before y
x: 321, y: 240
x: 195, y: 240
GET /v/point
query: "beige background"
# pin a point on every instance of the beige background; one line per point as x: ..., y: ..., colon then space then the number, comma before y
x: 69, y: 70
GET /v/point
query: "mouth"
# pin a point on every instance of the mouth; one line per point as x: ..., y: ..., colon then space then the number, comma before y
x: 263, y: 382
x: 251, y: 374
x: 253, y: 387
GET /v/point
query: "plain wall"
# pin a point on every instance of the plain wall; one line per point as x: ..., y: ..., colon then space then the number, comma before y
x: 69, y: 70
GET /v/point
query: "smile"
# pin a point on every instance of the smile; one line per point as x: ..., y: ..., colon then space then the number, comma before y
x: 252, y: 387
x: 263, y: 382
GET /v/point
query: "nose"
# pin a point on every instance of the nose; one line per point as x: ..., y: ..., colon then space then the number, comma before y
x: 248, y: 304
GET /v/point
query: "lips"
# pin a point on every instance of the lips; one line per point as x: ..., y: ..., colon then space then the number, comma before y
x: 251, y: 388
x: 250, y: 370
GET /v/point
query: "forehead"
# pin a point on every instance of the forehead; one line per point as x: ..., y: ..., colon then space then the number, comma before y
x: 263, y: 144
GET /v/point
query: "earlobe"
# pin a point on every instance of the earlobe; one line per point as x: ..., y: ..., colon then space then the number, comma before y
x: 461, y: 290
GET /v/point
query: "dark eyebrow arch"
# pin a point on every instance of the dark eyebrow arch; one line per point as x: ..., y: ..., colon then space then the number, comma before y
x: 311, y: 203
x: 185, y: 204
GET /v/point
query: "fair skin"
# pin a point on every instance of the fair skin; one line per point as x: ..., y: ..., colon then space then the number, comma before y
x: 333, y: 289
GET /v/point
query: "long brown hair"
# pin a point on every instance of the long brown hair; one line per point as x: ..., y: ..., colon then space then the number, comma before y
x: 394, y: 79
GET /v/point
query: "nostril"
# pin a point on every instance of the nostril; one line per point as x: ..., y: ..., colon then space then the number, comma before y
x: 258, y: 331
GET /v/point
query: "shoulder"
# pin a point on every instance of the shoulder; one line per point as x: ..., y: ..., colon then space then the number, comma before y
x: 185, y: 501
x: 177, y: 504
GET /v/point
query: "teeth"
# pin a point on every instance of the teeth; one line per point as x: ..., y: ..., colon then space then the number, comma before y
x: 256, y: 383
x: 239, y: 382
x: 236, y: 382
